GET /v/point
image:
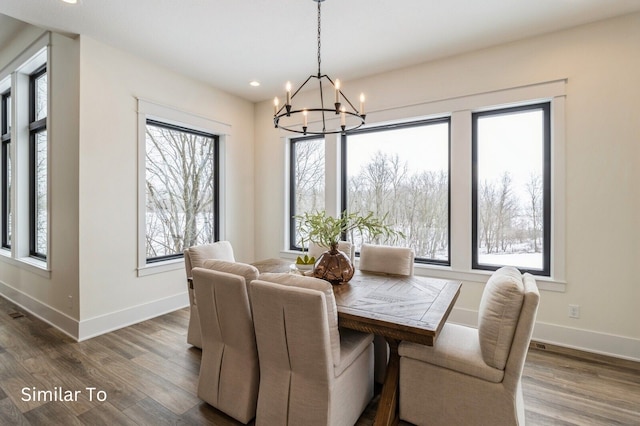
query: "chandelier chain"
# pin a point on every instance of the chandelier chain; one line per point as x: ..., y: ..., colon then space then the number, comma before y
x: 319, y: 37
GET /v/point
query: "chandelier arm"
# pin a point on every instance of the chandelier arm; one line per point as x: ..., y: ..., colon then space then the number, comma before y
x: 295, y: 93
x: 324, y: 125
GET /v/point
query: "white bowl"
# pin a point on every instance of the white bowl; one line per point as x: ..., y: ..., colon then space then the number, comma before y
x: 304, y: 266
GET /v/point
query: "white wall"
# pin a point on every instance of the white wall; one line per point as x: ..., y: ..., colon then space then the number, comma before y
x: 111, y: 292
x: 601, y: 63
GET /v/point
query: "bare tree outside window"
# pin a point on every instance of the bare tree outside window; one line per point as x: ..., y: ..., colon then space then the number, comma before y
x: 308, y: 163
x: 180, y: 190
x: 402, y: 174
x: 509, y: 151
x: 39, y: 173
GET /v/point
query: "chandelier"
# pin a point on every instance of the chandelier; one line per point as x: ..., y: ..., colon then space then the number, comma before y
x: 315, y: 119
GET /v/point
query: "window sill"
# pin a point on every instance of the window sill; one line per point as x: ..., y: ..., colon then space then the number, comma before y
x: 161, y: 267
x: 30, y: 264
x: 448, y: 273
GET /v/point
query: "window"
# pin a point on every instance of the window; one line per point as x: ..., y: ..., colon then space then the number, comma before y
x: 307, y: 181
x: 438, y: 180
x: 182, y: 189
x: 511, y: 204
x: 38, y: 175
x: 5, y: 138
x: 402, y: 172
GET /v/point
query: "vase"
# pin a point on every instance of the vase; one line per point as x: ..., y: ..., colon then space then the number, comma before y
x: 334, y: 266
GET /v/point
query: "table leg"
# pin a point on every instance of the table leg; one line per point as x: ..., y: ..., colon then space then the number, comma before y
x: 387, y: 413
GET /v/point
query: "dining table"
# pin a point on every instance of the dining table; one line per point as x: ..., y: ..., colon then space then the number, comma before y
x: 396, y: 307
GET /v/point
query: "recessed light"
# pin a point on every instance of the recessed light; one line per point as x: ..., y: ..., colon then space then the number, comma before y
x: 254, y: 83
x: 70, y: 1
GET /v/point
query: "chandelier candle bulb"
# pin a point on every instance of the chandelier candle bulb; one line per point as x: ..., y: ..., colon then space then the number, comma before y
x: 337, y: 91
x: 288, y: 93
x: 304, y: 118
x: 361, y: 103
x: 276, y: 103
x: 343, y: 117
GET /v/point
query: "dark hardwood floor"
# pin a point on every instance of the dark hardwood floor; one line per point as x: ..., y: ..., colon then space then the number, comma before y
x: 146, y: 374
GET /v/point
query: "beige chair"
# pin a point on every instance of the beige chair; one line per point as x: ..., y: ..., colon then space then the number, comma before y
x: 346, y: 247
x: 311, y: 373
x: 469, y: 376
x: 229, y: 370
x: 194, y: 257
x: 389, y: 260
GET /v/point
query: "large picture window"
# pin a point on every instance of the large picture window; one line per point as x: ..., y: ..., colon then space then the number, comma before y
x: 5, y: 139
x: 38, y: 163
x: 182, y: 189
x: 307, y: 192
x: 511, y: 204
x: 401, y: 172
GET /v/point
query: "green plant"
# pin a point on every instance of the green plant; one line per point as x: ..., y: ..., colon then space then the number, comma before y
x: 325, y: 230
x: 305, y: 260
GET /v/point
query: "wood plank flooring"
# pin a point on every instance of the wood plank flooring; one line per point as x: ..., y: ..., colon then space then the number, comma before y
x: 147, y: 374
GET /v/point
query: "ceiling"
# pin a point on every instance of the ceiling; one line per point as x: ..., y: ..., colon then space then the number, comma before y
x: 229, y: 43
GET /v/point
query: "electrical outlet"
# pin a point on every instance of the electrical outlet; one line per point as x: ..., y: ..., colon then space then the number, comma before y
x: 574, y: 311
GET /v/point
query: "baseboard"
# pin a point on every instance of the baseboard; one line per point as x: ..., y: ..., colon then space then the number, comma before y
x: 102, y: 324
x: 584, y: 355
x: 594, y: 342
x: 86, y: 329
x: 46, y: 313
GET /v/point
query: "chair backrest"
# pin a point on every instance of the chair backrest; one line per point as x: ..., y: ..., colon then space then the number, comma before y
x: 524, y: 331
x: 248, y: 272
x: 225, y: 313
x: 506, y: 318
x: 498, y: 315
x: 195, y: 256
x: 330, y: 303
x: 346, y: 247
x: 292, y: 333
x: 229, y: 373
x: 387, y: 259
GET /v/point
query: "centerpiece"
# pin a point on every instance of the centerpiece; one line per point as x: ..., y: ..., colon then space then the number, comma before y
x: 326, y: 231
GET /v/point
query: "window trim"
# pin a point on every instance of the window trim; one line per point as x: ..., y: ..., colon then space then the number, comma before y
x: 546, y: 185
x: 174, y: 116
x: 395, y: 126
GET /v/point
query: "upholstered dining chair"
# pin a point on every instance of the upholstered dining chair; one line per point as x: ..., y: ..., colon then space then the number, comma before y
x: 311, y: 373
x: 229, y: 369
x: 194, y: 257
x: 389, y: 260
x: 473, y: 376
x: 386, y: 259
x: 346, y: 247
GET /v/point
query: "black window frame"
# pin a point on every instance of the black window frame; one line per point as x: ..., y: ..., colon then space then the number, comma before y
x: 293, y: 244
x: 546, y: 185
x: 393, y: 126
x: 35, y: 127
x: 216, y: 182
x: 5, y: 138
